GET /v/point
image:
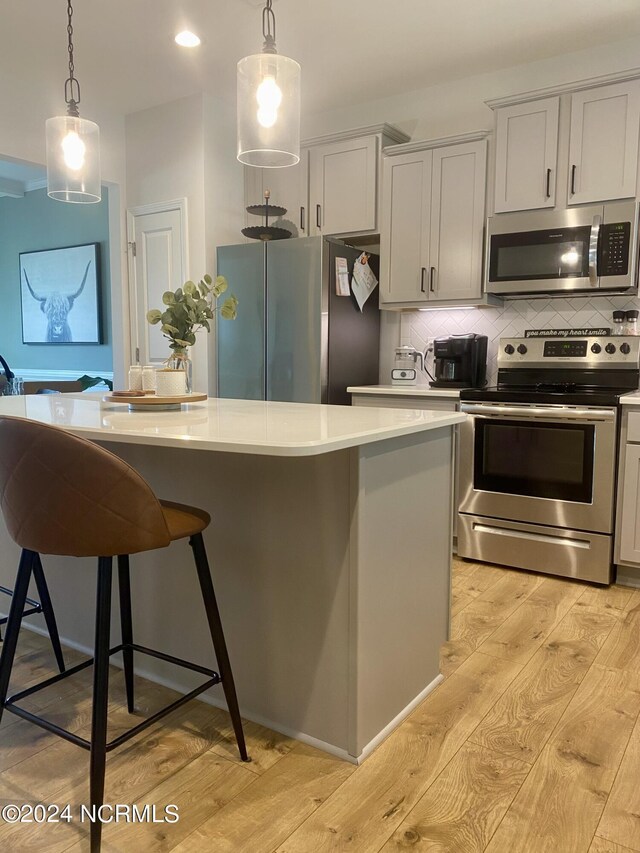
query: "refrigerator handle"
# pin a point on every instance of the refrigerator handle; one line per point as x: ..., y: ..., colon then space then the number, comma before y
x: 302, y: 219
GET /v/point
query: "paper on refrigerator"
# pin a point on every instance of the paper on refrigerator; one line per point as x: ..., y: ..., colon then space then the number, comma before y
x: 342, y: 277
x: 363, y: 281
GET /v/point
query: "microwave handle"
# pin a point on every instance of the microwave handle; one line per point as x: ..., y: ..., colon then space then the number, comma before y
x: 593, y: 250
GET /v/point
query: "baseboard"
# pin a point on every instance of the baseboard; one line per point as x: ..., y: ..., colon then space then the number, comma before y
x: 390, y: 727
x: 303, y: 737
x: 31, y: 374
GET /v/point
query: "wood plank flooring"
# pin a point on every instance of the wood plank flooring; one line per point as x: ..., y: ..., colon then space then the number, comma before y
x: 531, y: 744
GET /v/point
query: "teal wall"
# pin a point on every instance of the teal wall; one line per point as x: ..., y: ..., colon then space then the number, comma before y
x: 37, y: 222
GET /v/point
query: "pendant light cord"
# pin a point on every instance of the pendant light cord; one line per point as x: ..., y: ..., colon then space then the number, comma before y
x: 71, y: 85
x: 269, y: 28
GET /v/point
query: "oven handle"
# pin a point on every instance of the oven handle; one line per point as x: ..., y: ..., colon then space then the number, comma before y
x: 559, y: 414
x: 593, y: 250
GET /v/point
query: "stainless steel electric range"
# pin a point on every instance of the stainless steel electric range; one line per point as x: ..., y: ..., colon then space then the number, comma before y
x: 538, y: 455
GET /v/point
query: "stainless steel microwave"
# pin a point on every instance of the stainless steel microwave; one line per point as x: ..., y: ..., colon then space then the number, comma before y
x: 581, y: 249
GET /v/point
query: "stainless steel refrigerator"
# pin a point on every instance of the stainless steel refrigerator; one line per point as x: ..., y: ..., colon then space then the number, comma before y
x: 294, y: 338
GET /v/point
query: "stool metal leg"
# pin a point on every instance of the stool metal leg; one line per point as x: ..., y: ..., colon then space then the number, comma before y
x: 98, y: 753
x: 217, y: 636
x: 13, y: 624
x: 47, y: 610
x: 126, y: 624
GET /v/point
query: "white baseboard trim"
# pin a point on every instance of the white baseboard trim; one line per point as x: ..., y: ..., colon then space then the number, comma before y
x: 389, y: 728
x: 263, y: 721
x: 31, y: 374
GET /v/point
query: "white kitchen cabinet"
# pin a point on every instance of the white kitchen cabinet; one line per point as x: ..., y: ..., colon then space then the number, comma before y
x: 343, y: 178
x: 457, y: 221
x: 526, y: 155
x: 603, y: 143
x: 334, y: 190
x: 404, y: 238
x: 432, y: 223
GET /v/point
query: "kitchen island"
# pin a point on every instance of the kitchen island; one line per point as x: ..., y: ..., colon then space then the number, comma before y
x: 329, y: 547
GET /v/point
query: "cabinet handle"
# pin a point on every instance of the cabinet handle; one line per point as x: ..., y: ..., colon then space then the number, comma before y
x: 302, y: 218
x: 422, y: 275
x: 318, y: 216
x: 548, y: 191
x: 573, y: 180
x: 432, y: 273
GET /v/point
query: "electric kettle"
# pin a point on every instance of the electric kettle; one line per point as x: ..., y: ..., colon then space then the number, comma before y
x: 404, y: 371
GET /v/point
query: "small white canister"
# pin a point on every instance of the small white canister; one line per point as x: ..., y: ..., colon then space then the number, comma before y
x: 135, y: 378
x: 170, y: 383
x: 149, y: 377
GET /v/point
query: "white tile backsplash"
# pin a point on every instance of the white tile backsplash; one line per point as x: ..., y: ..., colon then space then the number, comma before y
x: 511, y: 319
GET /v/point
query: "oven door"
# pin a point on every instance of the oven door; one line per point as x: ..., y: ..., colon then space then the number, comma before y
x: 551, y: 465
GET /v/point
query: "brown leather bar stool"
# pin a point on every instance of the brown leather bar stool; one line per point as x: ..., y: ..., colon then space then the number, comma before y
x: 89, y: 503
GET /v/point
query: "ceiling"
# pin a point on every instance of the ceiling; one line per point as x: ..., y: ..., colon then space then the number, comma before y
x: 350, y: 50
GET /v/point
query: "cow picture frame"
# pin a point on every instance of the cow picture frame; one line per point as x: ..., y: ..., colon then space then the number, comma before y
x: 60, y: 295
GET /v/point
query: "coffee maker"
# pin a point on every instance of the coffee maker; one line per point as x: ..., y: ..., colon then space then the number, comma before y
x: 460, y: 361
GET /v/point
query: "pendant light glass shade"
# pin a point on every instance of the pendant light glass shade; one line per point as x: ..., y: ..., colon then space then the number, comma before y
x: 268, y: 111
x: 73, y: 159
x: 73, y: 143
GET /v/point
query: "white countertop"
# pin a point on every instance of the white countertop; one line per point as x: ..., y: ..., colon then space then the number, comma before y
x: 406, y: 391
x: 230, y: 426
x: 631, y: 399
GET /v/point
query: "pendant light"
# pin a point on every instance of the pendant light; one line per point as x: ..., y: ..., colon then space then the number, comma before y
x: 73, y: 144
x: 268, y: 103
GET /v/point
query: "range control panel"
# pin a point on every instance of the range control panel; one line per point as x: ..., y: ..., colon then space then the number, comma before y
x: 564, y: 349
x: 615, y: 238
x: 591, y: 352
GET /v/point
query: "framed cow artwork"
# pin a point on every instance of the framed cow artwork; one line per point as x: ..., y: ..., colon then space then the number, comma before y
x: 60, y: 291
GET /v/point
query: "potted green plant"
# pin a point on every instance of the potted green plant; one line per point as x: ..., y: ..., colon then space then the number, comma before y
x: 188, y: 309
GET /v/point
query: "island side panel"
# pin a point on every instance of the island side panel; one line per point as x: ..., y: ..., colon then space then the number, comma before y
x: 278, y: 547
x: 401, y: 567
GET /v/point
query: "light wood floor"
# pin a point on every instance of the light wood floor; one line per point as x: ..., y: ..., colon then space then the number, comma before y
x: 532, y: 743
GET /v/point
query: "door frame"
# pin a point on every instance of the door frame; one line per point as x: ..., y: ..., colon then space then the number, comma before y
x: 179, y: 204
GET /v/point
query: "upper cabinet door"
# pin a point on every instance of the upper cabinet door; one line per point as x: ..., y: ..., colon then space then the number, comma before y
x: 526, y: 155
x: 288, y: 187
x: 343, y: 186
x: 457, y: 221
x: 404, y: 238
x: 603, y: 146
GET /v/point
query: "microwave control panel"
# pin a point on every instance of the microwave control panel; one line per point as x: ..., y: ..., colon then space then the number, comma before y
x: 614, y: 248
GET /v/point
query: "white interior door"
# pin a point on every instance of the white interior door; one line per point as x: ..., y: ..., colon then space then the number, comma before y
x: 157, y: 242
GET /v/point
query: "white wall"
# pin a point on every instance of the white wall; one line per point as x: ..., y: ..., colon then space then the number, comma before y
x: 165, y: 161
x: 186, y: 149
x: 426, y: 112
x: 224, y: 194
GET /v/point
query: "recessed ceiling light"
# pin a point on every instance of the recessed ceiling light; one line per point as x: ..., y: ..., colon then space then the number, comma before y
x: 187, y: 39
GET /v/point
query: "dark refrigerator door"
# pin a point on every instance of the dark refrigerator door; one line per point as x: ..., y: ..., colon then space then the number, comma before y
x: 241, y: 342
x: 354, y: 336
